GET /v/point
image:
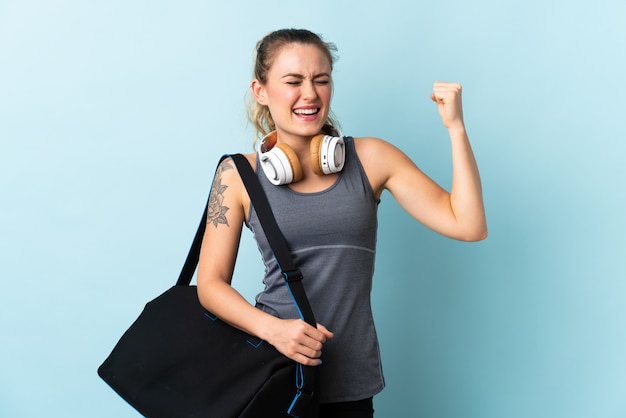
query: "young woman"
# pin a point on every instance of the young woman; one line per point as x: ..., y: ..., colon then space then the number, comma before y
x: 328, y: 217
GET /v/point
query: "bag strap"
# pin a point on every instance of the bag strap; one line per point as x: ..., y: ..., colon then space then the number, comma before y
x: 293, y: 276
x: 305, y: 375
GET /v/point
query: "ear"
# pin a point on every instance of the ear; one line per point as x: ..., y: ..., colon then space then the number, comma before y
x: 259, y: 92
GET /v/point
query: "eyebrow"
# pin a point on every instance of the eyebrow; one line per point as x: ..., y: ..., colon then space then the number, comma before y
x: 300, y: 76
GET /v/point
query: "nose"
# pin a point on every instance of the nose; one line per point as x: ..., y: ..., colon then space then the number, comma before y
x: 308, y: 90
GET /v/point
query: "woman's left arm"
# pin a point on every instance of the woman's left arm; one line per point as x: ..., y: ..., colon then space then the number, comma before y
x: 458, y: 214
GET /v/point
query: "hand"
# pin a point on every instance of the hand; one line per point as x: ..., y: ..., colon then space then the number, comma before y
x: 448, y: 99
x: 300, y: 341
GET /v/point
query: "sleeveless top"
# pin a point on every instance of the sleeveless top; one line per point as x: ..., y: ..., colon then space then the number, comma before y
x: 332, y: 237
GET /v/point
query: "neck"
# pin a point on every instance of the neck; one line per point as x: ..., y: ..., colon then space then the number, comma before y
x: 299, y: 144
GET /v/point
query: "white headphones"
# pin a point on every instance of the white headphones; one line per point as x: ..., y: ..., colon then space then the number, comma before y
x: 281, y: 165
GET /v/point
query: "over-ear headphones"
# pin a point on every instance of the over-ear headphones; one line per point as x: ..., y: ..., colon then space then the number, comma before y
x: 281, y: 165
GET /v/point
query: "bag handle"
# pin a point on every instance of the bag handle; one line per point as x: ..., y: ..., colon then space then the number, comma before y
x: 293, y: 276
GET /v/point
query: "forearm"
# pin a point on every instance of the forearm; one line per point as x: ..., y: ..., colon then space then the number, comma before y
x: 466, y: 199
x: 223, y: 301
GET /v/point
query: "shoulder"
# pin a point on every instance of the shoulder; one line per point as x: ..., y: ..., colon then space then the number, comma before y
x: 371, y: 146
x: 226, y: 161
x: 227, y: 169
x: 378, y: 151
x: 380, y: 159
x: 228, y: 182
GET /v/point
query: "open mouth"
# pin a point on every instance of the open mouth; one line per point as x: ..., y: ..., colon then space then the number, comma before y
x: 306, y: 112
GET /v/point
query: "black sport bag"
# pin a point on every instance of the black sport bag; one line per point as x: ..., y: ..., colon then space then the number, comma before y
x: 178, y: 360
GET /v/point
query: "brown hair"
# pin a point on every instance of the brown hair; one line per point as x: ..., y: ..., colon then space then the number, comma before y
x: 266, y: 50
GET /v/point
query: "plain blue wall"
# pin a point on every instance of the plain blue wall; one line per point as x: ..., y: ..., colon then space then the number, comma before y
x: 113, y: 115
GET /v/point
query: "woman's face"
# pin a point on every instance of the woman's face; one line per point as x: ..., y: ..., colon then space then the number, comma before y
x: 297, y: 91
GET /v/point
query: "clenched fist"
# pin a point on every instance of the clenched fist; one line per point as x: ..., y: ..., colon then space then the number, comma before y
x: 448, y: 99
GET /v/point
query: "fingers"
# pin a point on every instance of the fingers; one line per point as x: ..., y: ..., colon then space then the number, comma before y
x: 301, y: 342
x: 306, y: 347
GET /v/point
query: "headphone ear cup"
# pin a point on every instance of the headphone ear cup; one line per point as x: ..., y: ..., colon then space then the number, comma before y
x: 294, y: 162
x: 316, y: 154
x: 327, y: 154
x: 278, y: 161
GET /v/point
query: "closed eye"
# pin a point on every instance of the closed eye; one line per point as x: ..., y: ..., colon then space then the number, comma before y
x: 322, y: 79
x: 317, y: 82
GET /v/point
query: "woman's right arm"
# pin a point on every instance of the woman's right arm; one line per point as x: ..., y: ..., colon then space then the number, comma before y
x: 228, y: 205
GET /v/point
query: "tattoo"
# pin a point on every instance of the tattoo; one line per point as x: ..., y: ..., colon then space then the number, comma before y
x: 217, y: 211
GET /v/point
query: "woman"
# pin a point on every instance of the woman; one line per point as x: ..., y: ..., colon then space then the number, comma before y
x: 328, y: 218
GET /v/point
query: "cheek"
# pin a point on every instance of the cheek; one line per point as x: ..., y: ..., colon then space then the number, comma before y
x: 326, y: 94
x: 280, y: 93
x: 280, y: 103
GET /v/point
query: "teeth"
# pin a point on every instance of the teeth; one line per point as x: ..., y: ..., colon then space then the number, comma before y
x: 306, y: 111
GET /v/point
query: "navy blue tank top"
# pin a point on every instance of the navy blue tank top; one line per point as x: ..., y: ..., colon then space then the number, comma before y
x: 332, y: 237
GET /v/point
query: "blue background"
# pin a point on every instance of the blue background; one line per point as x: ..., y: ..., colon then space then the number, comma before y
x: 113, y: 115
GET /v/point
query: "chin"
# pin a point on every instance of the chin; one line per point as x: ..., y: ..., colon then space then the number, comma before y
x: 308, y: 132
x: 313, y: 130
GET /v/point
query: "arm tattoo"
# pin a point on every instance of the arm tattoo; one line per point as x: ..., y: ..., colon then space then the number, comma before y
x: 217, y: 211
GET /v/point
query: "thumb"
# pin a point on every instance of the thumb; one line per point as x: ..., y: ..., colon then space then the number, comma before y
x: 325, y: 331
